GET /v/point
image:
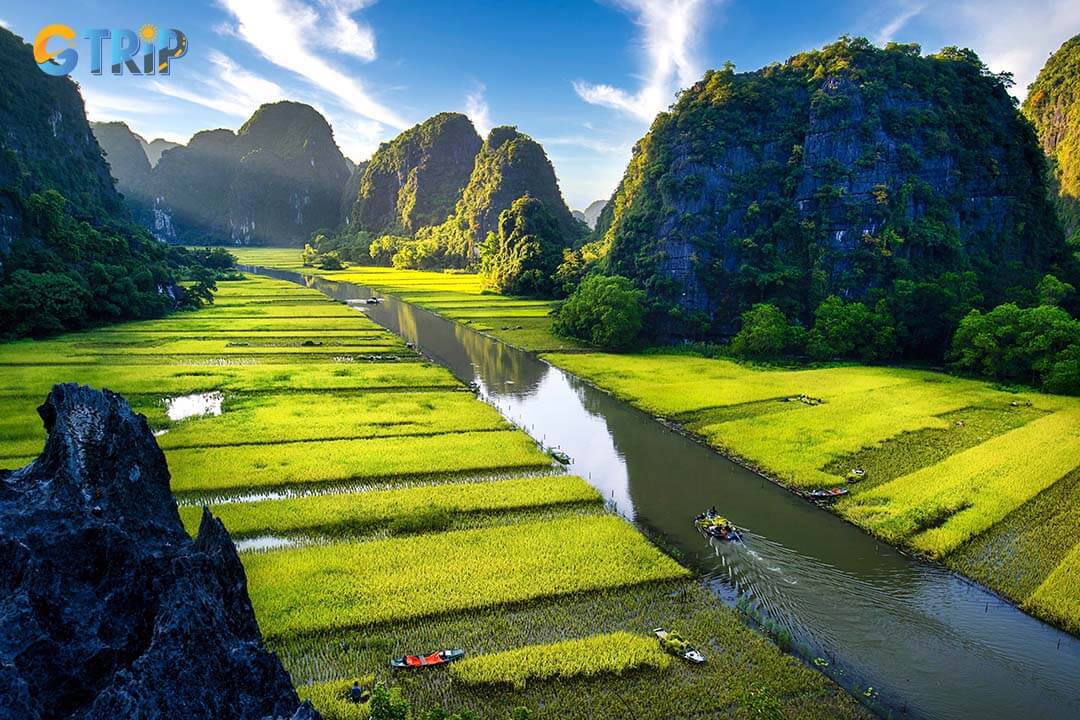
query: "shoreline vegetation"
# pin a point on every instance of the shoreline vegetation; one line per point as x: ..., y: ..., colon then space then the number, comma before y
x: 502, y: 552
x: 1008, y: 525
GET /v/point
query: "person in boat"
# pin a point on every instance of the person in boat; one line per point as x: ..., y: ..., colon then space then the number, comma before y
x: 712, y: 512
x: 356, y: 694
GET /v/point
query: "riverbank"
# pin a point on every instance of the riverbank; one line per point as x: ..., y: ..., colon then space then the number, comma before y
x: 951, y: 468
x: 407, y: 515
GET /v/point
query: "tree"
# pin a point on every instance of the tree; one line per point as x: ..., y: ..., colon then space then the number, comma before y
x: 388, y: 704
x: 851, y: 330
x: 331, y: 261
x: 523, y: 254
x: 39, y: 304
x: 1053, y: 291
x: 766, y: 333
x: 605, y: 311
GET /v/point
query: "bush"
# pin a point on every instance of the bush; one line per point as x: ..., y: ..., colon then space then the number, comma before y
x: 766, y: 333
x: 851, y: 331
x: 606, y: 311
x: 1039, y: 346
x: 383, y: 249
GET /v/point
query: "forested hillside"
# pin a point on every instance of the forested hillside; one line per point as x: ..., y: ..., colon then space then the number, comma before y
x: 69, y: 257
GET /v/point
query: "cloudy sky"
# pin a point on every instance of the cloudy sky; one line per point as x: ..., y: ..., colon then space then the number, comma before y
x: 585, y: 78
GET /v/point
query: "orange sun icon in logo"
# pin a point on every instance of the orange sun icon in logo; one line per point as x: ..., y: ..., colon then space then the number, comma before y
x: 148, y: 33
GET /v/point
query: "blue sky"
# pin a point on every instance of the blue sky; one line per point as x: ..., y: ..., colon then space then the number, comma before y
x: 584, y: 78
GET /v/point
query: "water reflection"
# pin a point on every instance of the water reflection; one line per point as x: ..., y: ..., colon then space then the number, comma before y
x: 931, y: 643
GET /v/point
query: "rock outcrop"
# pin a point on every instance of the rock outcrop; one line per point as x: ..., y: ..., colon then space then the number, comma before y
x: 1053, y: 106
x: 415, y: 179
x: 108, y: 609
x: 274, y: 182
x: 510, y: 165
x: 841, y: 171
x: 126, y: 154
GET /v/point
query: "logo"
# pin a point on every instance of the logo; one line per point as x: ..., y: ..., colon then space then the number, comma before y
x: 146, y: 52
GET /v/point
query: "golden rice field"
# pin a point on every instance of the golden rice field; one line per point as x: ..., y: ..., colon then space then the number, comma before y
x: 956, y: 469
x: 949, y: 462
x: 521, y: 323
x: 415, y: 517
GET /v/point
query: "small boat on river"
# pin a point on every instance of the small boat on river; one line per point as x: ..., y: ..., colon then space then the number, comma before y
x: 827, y: 493
x: 560, y: 457
x: 675, y: 644
x: 716, y: 526
x: 412, y: 662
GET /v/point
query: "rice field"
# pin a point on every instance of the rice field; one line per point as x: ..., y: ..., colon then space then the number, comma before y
x: 419, y: 518
x: 956, y: 470
x: 520, y: 322
x: 613, y: 654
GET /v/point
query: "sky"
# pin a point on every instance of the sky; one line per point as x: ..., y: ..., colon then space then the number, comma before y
x: 585, y: 78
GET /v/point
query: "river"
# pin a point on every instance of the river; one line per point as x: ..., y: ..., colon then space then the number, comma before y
x: 931, y: 643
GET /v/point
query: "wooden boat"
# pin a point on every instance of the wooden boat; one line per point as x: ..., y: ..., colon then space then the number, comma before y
x: 412, y: 662
x: 373, y: 301
x: 827, y: 494
x: 560, y: 456
x: 675, y: 644
x: 716, y: 526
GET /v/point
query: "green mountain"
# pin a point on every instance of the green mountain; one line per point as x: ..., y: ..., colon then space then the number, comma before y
x: 274, y: 182
x: 125, y: 153
x: 69, y: 257
x: 849, y: 171
x: 1053, y: 107
x: 415, y: 179
x: 509, y: 165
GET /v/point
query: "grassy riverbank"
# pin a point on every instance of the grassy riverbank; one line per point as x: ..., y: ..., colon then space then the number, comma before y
x: 957, y: 470
x: 419, y: 519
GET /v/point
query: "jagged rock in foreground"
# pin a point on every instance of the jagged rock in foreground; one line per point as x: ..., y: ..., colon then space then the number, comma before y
x: 108, y: 609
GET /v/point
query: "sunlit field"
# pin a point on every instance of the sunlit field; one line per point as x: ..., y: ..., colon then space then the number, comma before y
x: 949, y: 470
x: 383, y: 509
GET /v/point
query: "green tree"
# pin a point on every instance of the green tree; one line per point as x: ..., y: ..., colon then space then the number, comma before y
x: 39, y: 304
x: 766, y: 333
x: 606, y: 311
x: 523, y: 254
x: 1053, y: 291
x: 851, y: 331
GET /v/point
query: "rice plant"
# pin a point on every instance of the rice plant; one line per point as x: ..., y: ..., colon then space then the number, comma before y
x: 611, y: 654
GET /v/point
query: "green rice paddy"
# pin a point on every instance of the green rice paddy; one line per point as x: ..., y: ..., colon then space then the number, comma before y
x: 956, y: 470
x: 425, y: 521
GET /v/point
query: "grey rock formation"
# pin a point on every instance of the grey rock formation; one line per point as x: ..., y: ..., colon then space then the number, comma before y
x: 108, y: 609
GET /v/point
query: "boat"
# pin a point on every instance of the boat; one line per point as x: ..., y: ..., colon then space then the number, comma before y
x: 827, y: 493
x: 716, y: 526
x: 411, y: 662
x: 675, y: 644
x: 560, y: 456
x: 373, y: 301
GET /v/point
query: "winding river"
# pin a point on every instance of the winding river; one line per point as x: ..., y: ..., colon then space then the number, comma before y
x: 930, y: 643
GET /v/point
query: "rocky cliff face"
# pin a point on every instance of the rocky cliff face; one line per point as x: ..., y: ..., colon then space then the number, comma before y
x: 108, y: 608
x: 124, y: 151
x: 415, y: 179
x: 45, y: 142
x: 1053, y: 106
x: 838, y: 172
x: 274, y: 182
x: 509, y: 166
x: 155, y: 148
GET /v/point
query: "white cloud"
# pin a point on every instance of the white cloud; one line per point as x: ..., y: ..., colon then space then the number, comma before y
x: 896, y: 23
x: 476, y: 108
x: 230, y: 89
x: 597, y: 146
x: 294, y: 35
x: 103, y: 106
x: 1008, y: 36
x: 670, y: 30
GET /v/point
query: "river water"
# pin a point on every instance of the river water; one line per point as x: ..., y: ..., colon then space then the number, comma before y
x: 929, y: 642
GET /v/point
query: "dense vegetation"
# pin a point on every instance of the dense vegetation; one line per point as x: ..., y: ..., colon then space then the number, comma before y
x: 849, y: 172
x: 126, y: 155
x: 1053, y: 106
x: 69, y: 258
x: 426, y: 521
x: 415, y: 179
x: 520, y: 257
